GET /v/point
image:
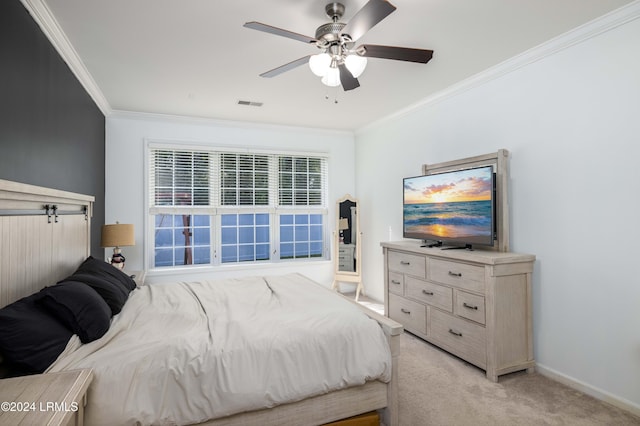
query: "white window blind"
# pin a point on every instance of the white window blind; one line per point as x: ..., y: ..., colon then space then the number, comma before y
x: 244, y: 179
x: 301, y: 181
x: 261, y: 206
x: 180, y: 178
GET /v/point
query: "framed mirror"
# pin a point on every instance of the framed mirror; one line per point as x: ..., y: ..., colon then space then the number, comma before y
x: 348, y: 245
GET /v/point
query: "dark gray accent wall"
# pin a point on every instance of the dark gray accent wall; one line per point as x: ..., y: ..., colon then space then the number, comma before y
x: 51, y: 132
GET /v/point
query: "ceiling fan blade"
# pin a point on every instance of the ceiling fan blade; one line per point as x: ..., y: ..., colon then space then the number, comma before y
x: 279, y: 31
x: 348, y: 81
x: 286, y: 67
x: 367, y: 17
x: 398, y: 53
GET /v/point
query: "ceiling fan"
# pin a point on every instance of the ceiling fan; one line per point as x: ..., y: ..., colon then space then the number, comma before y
x: 339, y: 61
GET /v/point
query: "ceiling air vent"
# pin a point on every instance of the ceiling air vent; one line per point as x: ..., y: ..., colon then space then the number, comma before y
x: 250, y: 103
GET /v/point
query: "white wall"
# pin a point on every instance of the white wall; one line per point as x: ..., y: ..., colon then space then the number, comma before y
x: 571, y: 121
x: 126, y: 136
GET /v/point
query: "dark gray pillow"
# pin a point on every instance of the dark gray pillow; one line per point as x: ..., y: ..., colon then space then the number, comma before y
x: 112, y: 293
x: 101, y: 268
x: 109, y: 282
x: 30, y: 337
x: 79, y: 307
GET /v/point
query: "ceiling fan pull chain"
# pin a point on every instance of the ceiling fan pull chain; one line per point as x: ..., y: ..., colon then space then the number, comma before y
x: 335, y: 93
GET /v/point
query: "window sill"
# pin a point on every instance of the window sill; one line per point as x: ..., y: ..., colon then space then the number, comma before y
x: 249, y: 268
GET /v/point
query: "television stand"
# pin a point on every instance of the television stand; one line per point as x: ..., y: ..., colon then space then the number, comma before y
x: 480, y: 309
x: 464, y: 247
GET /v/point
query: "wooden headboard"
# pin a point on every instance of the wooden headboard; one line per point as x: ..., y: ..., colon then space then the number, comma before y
x: 44, y: 236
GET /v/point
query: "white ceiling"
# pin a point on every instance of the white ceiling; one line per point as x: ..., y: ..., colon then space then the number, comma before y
x: 194, y: 58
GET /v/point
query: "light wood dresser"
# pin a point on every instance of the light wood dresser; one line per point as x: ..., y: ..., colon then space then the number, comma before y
x: 346, y: 254
x: 474, y: 304
x: 51, y: 399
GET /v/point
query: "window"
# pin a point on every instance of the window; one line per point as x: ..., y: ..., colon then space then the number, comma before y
x: 182, y: 239
x: 245, y: 237
x: 210, y: 207
x: 300, y: 235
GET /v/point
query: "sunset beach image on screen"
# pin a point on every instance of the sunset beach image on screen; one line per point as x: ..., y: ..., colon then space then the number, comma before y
x: 450, y: 206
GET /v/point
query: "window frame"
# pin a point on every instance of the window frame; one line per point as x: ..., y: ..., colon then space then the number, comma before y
x: 215, y: 209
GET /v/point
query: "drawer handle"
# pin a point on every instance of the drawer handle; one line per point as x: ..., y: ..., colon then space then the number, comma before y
x: 395, y: 282
x: 428, y: 293
x: 455, y: 333
x: 404, y: 311
x: 453, y: 274
x: 404, y: 262
x: 466, y: 305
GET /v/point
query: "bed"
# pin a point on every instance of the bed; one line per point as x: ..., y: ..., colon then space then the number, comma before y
x: 350, y: 353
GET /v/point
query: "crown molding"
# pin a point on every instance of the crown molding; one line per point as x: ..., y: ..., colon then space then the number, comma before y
x: 49, y: 26
x: 45, y: 19
x: 602, y: 24
x: 218, y: 122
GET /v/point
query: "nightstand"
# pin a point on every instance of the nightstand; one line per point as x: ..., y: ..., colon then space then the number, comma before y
x: 45, y: 399
x: 138, y: 277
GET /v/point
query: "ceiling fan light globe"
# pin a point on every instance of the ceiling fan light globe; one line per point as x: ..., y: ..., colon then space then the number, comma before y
x: 332, y: 78
x: 319, y: 64
x: 355, y: 64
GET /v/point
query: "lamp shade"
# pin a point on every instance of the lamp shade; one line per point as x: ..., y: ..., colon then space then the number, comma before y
x: 117, y: 235
x: 319, y: 64
x: 356, y: 64
x: 343, y: 224
x: 331, y: 78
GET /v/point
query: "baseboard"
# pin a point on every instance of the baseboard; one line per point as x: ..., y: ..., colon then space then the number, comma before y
x: 589, y: 390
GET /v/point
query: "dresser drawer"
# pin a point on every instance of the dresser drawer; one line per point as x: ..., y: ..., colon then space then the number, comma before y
x: 396, y: 283
x: 431, y: 293
x: 408, y: 313
x: 470, y: 306
x: 463, y: 338
x: 462, y: 275
x: 346, y: 266
x: 405, y: 263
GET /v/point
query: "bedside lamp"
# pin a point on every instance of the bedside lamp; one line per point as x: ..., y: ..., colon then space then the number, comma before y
x: 116, y: 236
x: 342, y: 225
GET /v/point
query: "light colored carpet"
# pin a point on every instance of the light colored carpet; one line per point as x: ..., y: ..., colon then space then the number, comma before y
x: 437, y: 388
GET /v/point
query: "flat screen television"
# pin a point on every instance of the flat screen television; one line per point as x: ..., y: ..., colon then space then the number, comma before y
x: 455, y: 208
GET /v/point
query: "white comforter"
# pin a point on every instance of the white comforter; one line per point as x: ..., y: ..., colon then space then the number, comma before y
x: 187, y: 352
